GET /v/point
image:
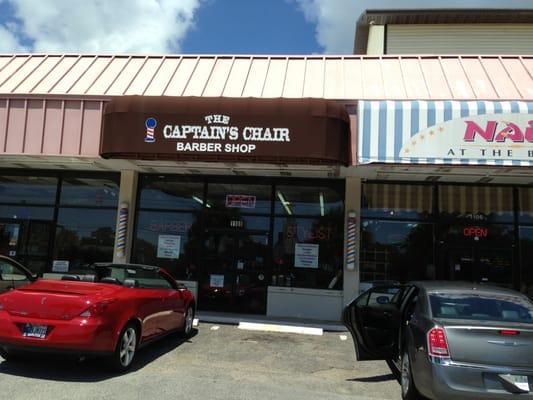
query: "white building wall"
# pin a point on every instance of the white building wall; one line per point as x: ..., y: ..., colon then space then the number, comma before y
x: 459, y: 39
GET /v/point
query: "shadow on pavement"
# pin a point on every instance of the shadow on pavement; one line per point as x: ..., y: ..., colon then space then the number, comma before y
x: 53, y: 368
x: 374, y: 379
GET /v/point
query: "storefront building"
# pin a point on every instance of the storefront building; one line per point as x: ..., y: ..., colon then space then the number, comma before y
x: 476, y: 231
x: 270, y: 185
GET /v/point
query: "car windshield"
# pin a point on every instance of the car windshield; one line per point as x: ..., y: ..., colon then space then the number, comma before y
x: 138, y: 276
x: 504, y: 308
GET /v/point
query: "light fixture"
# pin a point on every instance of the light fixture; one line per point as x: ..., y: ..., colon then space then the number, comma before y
x: 285, y: 203
x: 199, y: 200
x: 485, y: 179
x: 321, y: 196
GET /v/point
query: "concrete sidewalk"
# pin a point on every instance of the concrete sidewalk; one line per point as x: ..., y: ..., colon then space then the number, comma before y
x: 236, y: 319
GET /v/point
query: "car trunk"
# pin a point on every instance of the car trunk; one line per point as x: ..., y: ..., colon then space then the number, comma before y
x: 501, y: 344
x: 62, y: 300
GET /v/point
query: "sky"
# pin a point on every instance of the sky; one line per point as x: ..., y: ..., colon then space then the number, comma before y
x: 197, y: 26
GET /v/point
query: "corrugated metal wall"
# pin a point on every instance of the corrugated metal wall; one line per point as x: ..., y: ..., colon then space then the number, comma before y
x: 460, y: 39
x: 50, y: 127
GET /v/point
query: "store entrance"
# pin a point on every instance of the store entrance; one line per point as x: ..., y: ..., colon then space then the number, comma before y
x: 27, y: 241
x: 234, y: 271
x: 477, y: 254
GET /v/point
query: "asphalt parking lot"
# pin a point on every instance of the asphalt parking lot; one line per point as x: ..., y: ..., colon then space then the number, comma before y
x: 218, y: 362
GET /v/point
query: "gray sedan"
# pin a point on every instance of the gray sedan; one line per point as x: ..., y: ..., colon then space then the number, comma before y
x: 447, y: 340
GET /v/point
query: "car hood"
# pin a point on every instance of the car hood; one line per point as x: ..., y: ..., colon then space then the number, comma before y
x: 62, y: 300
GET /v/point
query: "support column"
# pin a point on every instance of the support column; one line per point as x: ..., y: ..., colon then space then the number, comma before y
x: 376, y: 40
x: 125, y: 216
x: 352, y: 207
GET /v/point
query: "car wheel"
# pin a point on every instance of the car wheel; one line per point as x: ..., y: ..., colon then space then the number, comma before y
x: 394, y: 369
x: 189, y: 319
x: 409, y: 391
x: 8, y: 356
x: 122, y: 358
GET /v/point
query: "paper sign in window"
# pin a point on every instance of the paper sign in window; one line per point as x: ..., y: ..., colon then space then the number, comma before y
x: 168, y: 246
x: 306, y: 255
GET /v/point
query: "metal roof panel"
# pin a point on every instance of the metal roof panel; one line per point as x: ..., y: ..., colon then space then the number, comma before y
x: 237, y: 77
x: 468, y: 77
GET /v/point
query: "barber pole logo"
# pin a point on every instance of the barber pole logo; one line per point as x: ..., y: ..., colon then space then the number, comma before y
x: 351, y: 242
x: 122, y: 231
x: 150, y: 124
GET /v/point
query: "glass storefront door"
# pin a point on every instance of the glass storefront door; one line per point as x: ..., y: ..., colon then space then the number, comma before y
x: 28, y: 241
x: 9, y: 238
x: 477, y: 254
x: 234, y: 274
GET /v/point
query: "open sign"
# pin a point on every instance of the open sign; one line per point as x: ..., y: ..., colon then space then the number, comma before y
x: 475, y: 231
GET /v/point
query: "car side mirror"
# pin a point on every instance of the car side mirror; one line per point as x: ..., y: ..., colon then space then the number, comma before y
x: 382, y: 300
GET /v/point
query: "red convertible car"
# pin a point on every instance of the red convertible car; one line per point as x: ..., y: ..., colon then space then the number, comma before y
x: 111, y: 313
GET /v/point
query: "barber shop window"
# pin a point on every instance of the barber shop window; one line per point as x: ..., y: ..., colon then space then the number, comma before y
x: 171, y: 193
x: 312, y: 200
x: 308, y: 236
x: 86, y: 220
x: 169, y: 240
x: 307, y: 252
x: 90, y: 191
x: 396, y: 201
x: 28, y: 189
x: 239, y: 198
x: 167, y: 228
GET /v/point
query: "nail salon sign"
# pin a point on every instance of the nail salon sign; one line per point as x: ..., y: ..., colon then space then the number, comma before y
x: 447, y: 132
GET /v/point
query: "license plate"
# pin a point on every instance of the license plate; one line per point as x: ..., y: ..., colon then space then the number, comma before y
x: 520, y: 381
x: 36, y: 331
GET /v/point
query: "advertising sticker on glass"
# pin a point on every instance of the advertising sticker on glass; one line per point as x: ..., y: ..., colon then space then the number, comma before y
x: 306, y: 255
x: 168, y: 246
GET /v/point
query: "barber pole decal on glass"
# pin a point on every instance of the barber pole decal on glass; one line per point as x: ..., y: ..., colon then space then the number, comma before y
x: 150, y: 124
x: 351, y: 241
x: 122, y: 229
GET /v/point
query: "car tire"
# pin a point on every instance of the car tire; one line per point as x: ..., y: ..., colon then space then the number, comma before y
x: 126, y: 348
x: 186, y: 331
x: 8, y: 356
x: 394, y: 369
x: 409, y: 391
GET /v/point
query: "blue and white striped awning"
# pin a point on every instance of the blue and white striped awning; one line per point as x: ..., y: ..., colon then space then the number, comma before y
x: 446, y: 132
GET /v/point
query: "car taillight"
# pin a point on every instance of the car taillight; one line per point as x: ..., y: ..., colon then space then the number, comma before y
x: 509, y: 332
x: 96, y: 309
x: 437, y: 343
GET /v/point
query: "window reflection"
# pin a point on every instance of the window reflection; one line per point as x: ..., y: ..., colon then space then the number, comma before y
x: 396, y: 250
x: 308, y: 200
x: 28, y: 189
x: 396, y: 201
x: 22, y: 213
x: 316, y: 266
x: 526, y: 247
x: 169, y: 240
x: 485, y: 203
x: 171, y: 193
x: 526, y: 205
x: 93, y: 192
x: 84, y: 236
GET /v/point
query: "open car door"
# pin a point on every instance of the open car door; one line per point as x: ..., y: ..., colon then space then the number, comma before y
x: 374, y: 320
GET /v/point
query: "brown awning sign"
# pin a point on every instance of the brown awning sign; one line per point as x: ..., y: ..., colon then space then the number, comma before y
x: 309, y: 131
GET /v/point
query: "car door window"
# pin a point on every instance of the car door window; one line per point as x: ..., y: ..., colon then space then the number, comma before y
x: 9, y: 272
x: 379, y: 297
